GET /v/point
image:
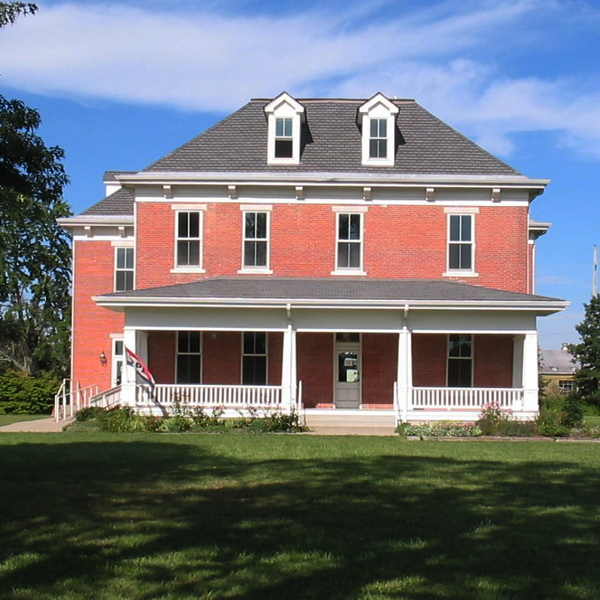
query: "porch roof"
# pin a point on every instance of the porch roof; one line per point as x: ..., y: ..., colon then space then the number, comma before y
x: 330, y: 292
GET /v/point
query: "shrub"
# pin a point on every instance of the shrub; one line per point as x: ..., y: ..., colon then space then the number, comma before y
x: 492, y: 418
x: 176, y: 424
x: 514, y: 428
x: 442, y: 429
x: 549, y: 423
x: 117, y: 419
x: 277, y: 423
x: 89, y: 413
x: 21, y: 394
x: 567, y: 410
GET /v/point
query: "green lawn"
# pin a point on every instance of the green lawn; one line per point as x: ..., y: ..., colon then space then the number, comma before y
x: 592, y: 420
x: 253, y: 517
x: 8, y: 419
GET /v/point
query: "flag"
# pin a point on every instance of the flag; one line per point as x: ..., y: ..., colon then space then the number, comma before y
x: 140, y: 368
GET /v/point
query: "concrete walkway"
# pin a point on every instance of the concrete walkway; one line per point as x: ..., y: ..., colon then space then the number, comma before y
x: 37, y: 426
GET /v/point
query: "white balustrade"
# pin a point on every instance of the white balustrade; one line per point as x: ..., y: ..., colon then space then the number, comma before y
x: 467, y: 398
x: 228, y: 396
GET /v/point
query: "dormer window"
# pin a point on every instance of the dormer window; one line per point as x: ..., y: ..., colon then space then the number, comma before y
x: 284, y: 125
x: 377, y: 117
x: 378, y: 142
x: 284, y: 140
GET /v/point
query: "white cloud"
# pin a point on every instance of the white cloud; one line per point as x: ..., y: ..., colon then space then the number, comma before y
x: 214, y: 61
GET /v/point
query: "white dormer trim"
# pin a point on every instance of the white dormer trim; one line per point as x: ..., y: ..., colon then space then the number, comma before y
x: 284, y: 107
x: 378, y: 107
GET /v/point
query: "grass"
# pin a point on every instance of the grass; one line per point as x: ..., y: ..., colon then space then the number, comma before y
x: 9, y: 419
x: 250, y: 517
x: 593, y: 420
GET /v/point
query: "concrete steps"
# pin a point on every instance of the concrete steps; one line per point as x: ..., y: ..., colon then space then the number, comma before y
x: 350, y: 423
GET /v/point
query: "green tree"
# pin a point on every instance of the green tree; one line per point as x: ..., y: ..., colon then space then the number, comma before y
x: 9, y: 11
x: 587, y: 353
x: 34, y: 249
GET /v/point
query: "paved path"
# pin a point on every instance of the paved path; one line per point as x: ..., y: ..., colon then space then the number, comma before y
x: 37, y: 426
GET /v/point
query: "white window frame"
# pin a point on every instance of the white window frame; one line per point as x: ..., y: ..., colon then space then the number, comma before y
x: 284, y: 136
x: 266, y: 355
x: 380, y: 108
x: 262, y: 269
x: 199, y: 354
x: 116, y: 359
x: 349, y: 270
x: 284, y: 107
x: 449, y: 358
x: 124, y: 270
x: 472, y: 272
x: 200, y: 239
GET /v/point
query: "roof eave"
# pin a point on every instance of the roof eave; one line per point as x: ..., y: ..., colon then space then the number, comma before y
x: 96, y: 220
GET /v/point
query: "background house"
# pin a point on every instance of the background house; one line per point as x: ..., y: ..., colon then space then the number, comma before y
x: 315, y: 255
x: 558, y: 369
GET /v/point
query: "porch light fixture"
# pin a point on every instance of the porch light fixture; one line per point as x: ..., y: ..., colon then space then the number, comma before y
x: 103, y: 360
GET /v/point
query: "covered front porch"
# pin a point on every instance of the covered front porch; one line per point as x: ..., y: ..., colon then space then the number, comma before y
x: 416, y: 350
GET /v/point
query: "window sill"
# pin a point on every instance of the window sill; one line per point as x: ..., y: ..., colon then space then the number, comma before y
x: 349, y: 273
x: 187, y: 270
x: 255, y: 272
x: 460, y: 274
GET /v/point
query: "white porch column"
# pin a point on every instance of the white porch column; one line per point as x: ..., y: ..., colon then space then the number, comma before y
x: 130, y: 339
x: 288, y: 370
x: 530, y: 372
x: 404, y: 372
x: 518, y: 343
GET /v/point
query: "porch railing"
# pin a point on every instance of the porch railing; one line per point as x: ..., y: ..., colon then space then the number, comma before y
x: 229, y: 396
x: 107, y: 398
x: 70, y: 398
x: 467, y: 398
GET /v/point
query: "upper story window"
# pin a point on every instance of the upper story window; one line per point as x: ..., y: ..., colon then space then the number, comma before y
x: 460, y: 360
x: 379, y: 140
x: 460, y: 243
x: 284, y: 140
x: 349, y: 241
x: 124, y: 269
x: 256, y: 240
x: 284, y: 124
x: 377, y: 117
x: 188, y: 239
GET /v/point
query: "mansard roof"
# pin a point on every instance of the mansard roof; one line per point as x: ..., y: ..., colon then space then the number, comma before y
x: 331, y: 143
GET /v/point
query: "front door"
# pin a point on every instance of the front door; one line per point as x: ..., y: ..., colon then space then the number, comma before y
x: 347, y: 375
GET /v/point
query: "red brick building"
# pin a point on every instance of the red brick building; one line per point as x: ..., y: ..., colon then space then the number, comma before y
x: 314, y: 254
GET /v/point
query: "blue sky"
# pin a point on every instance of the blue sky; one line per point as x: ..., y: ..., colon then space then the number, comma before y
x: 119, y: 84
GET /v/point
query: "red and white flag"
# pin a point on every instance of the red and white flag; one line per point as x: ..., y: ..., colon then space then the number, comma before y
x: 133, y: 360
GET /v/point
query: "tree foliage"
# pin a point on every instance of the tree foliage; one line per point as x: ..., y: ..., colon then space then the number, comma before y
x: 9, y: 11
x: 34, y: 249
x: 587, y: 353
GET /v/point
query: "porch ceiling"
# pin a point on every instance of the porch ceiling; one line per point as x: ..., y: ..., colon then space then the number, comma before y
x: 331, y: 292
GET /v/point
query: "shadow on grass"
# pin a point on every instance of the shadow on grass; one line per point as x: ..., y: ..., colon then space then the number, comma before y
x: 144, y: 520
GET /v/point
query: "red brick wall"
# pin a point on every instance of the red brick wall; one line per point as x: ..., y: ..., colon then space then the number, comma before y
x: 92, y: 326
x: 493, y: 355
x: 315, y: 367
x: 399, y: 241
x: 429, y: 359
x: 161, y: 355
x: 379, y: 367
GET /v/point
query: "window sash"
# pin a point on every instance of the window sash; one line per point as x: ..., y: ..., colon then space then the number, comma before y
x: 460, y: 243
x: 349, y: 241
x: 124, y: 269
x: 189, y: 357
x: 118, y: 361
x: 256, y: 240
x: 460, y: 360
x: 188, y: 239
x: 254, y: 358
x: 378, y: 139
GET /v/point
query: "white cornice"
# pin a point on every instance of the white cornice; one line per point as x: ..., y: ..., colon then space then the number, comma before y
x: 96, y: 220
x: 319, y: 178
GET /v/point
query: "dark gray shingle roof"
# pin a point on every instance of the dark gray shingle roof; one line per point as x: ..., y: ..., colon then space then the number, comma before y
x: 110, y: 176
x: 557, y: 362
x: 118, y: 203
x: 331, y: 142
x: 324, y: 288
